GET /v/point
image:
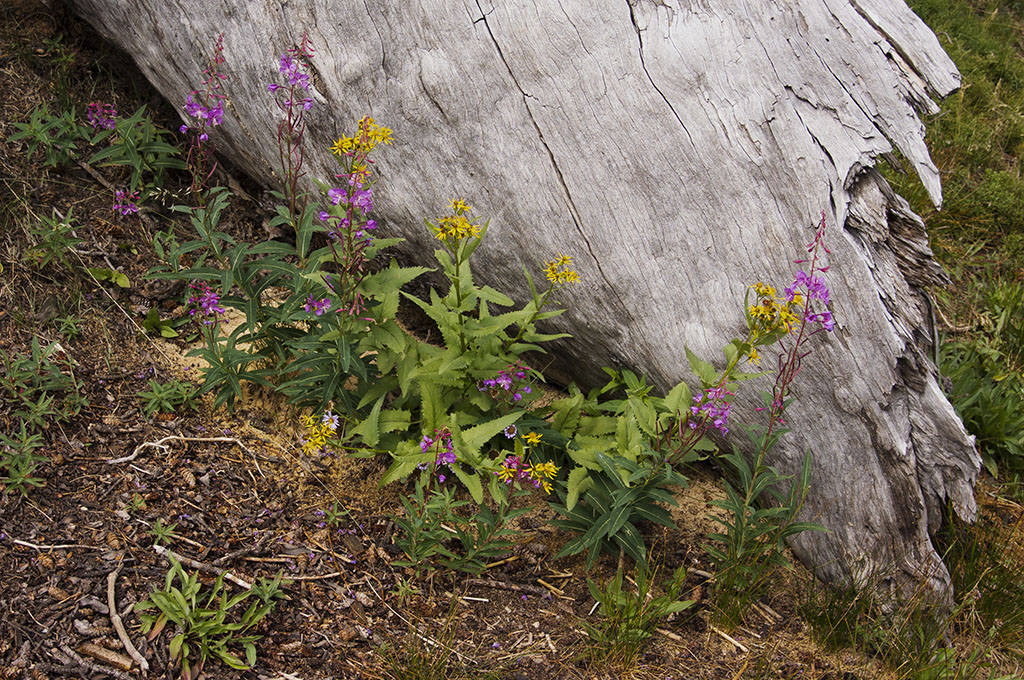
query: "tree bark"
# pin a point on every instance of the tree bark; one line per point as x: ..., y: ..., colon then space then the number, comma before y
x: 679, y: 150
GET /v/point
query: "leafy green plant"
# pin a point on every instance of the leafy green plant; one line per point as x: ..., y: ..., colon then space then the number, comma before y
x: 614, y: 502
x: 431, y: 522
x: 57, y: 135
x: 39, y: 387
x: 154, y: 324
x: 162, y: 534
x: 138, y: 144
x: 758, y: 520
x: 208, y: 622
x: 53, y: 238
x: 628, y: 619
x: 423, y: 530
x: 103, y: 274
x: 168, y: 397
x: 989, y: 401
x: 69, y: 326
x: 18, y: 460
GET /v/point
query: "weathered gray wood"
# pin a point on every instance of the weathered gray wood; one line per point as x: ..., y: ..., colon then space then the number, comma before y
x: 679, y: 151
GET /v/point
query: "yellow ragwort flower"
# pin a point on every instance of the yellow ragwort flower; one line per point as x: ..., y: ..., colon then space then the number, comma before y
x: 560, y: 270
x: 543, y: 470
x: 456, y: 226
x: 369, y: 136
x: 532, y: 438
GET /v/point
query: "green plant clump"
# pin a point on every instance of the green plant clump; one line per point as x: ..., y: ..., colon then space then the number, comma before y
x: 628, y: 619
x: 38, y: 389
x: 207, y: 622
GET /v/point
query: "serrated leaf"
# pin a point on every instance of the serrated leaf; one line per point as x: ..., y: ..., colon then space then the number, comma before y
x: 702, y: 369
x: 578, y: 483
x: 471, y: 481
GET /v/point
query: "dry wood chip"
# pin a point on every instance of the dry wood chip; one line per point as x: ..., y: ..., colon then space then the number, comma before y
x: 105, y: 655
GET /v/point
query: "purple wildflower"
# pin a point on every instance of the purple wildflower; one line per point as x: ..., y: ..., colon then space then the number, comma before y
x: 101, y: 115
x: 206, y: 301
x: 714, y: 408
x: 317, y: 306
x: 336, y: 195
x: 124, y: 202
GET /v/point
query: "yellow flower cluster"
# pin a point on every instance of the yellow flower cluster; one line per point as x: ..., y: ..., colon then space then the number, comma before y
x: 560, y: 270
x: 770, y: 315
x: 540, y: 474
x: 319, y: 430
x: 368, y: 136
x: 456, y: 226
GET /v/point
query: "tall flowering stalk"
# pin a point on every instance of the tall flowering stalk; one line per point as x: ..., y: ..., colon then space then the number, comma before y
x: 205, y: 108
x: 558, y: 272
x: 460, y: 233
x: 349, y: 227
x: 752, y: 539
x: 293, y: 99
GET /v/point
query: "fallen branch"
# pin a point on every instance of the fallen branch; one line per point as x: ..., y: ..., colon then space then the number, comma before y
x: 491, y: 583
x: 202, y: 566
x: 107, y: 656
x: 63, y: 546
x: 69, y: 657
x: 160, y: 445
x: 115, y: 619
x: 726, y: 636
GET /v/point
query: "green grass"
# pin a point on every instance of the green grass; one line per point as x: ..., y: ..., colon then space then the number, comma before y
x: 979, y: 639
x: 977, y: 141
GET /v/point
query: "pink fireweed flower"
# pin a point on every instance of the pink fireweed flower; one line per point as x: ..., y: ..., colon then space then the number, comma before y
x: 445, y: 457
x: 509, y: 385
x: 101, y: 115
x: 206, y: 303
x: 124, y: 202
x: 712, y: 406
x: 317, y: 306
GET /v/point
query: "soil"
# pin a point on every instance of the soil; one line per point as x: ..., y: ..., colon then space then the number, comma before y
x: 237, y: 487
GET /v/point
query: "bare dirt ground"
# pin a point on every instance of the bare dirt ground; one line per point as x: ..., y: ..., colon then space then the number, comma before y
x: 237, y: 486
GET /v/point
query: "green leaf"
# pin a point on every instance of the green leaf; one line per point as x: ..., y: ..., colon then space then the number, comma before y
x: 579, y: 482
x: 369, y: 428
x: 471, y: 482
x: 475, y: 437
x: 679, y: 399
x: 702, y: 369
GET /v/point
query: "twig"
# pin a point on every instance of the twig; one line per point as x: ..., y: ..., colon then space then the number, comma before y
x: 669, y: 634
x: 501, y: 562
x: 202, y: 566
x: 115, y: 619
x: 160, y: 445
x: 739, y: 673
x: 553, y: 589
x: 491, y: 583
x: 63, y: 546
x: 730, y: 639
x: 313, y: 578
x: 68, y: 656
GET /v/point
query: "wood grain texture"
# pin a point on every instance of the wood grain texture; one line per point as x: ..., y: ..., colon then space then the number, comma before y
x: 679, y: 150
